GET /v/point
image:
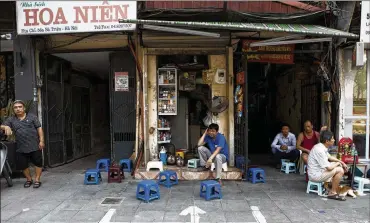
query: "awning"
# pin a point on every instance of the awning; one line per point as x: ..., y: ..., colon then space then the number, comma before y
x: 313, y: 30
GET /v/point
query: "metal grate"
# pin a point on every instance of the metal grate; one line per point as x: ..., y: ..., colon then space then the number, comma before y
x: 112, y: 201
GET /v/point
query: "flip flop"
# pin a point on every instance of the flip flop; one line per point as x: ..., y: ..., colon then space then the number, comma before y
x: 37, y: 184
x: 336, y: 197
x: 28, y: 183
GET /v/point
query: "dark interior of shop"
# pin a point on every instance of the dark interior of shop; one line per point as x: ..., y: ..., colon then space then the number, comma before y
x: 277, y: 94
x: 77, y: 103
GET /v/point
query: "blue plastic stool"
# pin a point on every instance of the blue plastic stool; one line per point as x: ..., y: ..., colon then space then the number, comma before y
x: 239, y: 161
x: 256, y: 175
x: 210, y: 189
x: 170, y: 178
x: 103, y: 164
x: 147, y: 190
x: 92, y: 177
x: 125, y: 165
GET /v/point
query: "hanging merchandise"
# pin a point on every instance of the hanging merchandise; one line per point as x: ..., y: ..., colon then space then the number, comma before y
x: 238, y: 99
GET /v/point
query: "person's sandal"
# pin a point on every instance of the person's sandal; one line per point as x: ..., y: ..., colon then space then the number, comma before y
x: 37, y: 184
x: 336, y: 197
x: 28, y: 183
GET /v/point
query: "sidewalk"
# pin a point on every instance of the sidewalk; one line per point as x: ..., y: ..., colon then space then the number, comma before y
x: 63, y: 198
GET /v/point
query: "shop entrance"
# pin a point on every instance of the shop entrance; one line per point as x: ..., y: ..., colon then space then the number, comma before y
x: 183, y: 101
x: 82, y: 100
x: 277, y: 93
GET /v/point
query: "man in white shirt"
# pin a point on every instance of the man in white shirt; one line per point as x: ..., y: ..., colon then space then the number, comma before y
x: 322, y: 167
x: 284, y: 146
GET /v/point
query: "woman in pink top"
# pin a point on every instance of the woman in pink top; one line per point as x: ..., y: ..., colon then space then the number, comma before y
x: 307, y: 139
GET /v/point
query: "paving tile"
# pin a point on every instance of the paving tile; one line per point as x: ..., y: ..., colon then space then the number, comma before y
x: 263, y: 204
x: 18, y: 206
x: 178, y: 204
x: 256, y: 195
x: 72, y: 205
x: 235, y: 205
x: 59, y: 216
x: 46, y: 205
x: 154, y: 205
x: 59, y: 195
x: 233, y: 196
x: 357, y: 214
x: 239, y: 216
x: 174, y: 216
x: 301, y: 216
x: 208, y: 206
x: 6, y: 215
x: 94, y: 205
x: 212, y: 217
x: 289, y: 204
x: 149, y: 216
x: 88, y: 216
x: 29, y: 216
x: 275, y: 216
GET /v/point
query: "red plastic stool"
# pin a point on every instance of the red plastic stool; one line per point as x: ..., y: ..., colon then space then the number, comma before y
x: 115, y: 174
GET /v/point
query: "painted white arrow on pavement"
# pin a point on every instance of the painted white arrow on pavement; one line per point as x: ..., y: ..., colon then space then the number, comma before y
x: 107, y: 217
x: 258, y: 215
x: 194, y: 212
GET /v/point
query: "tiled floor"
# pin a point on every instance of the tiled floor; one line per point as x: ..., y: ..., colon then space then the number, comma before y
x: 64, y: 198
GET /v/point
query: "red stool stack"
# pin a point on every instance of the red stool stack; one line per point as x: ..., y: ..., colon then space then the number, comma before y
x: 115, y: 174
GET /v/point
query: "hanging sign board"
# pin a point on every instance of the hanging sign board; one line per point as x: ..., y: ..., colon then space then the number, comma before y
x: 52, y: 17
x: 284, y: 55
x: 121, y: 82
x: 365, y: 22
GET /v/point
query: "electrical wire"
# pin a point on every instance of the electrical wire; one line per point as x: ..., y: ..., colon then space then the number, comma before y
x: 73, y: 42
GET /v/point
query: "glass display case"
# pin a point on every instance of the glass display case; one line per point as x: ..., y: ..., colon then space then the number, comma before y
x: 354, y: 112
x: 167, y: 102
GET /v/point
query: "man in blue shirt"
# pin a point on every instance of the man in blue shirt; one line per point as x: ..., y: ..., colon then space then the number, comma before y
x: 284, y: 146
x: 218, y: 152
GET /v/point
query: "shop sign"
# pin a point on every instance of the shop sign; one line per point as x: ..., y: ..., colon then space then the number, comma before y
x: 365, y: 22
x: 285, y: 53
x: 53, y: 17
x: 121, y: 82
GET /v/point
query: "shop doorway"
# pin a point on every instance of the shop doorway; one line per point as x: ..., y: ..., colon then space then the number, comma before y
x: 279, y: 94
x: 183, y: 128
x: 82, y: 100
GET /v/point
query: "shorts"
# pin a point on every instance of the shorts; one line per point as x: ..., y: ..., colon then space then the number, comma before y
x: 326, y: 176
x: 24, y: 158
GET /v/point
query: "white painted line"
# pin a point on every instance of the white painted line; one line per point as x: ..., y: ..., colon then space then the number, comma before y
x: 258, y: 215
x: 108, y: 216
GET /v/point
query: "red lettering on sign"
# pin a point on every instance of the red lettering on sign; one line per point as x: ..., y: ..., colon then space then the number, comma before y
x: 120, y: 14
x: 81, y: 14
x: 106, y: 14
x: 30, y: 16
x: 94, y: 9
x: 42, y: 16
x: 60, y: 16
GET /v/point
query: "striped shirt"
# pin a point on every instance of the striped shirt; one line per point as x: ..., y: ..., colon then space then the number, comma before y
x: 25, y: 131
